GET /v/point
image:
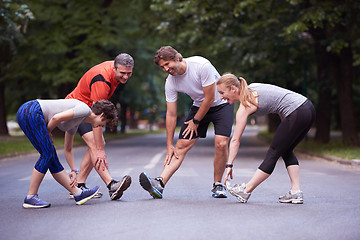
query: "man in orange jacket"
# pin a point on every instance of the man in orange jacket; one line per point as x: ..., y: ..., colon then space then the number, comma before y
x: 99, y: 83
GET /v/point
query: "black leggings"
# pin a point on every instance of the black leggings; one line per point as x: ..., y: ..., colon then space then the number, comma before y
x: 289, y: 133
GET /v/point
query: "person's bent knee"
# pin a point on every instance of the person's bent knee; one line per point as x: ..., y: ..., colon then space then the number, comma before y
x: 291, y: 164
x: 221, y: 145
x: 267, y: 170
x: 68, y: 148
x: 184, y: 144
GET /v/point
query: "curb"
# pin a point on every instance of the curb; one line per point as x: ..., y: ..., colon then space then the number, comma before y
x: 348, y: 162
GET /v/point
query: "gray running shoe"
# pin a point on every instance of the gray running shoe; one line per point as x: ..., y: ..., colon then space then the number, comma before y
x: 238, y: 191
x: 97, y: 195
x: 152, y: 185
x: 296, y: 198
x: 218, y: 190
x: 117, y: 188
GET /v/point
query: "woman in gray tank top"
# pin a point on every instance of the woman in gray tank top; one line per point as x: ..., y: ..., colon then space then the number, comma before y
x: 297, y: 114
x: 37, y: 119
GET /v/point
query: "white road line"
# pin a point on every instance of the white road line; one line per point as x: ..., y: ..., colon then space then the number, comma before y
x: 155, y: 160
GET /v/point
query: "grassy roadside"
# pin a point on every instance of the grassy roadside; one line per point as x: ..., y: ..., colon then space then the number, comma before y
x: 20, y: 144
x: 335, y: 148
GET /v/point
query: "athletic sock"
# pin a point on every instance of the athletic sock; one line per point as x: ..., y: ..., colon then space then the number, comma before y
x: 294, y: 191
x: 245, y: 191
x: 80, y: 185
x: 111, y: 183
x: 29, y: 196
x: 79, y: 191
x: 161, y: 182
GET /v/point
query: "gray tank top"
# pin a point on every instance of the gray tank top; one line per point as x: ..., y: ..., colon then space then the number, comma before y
x: 274, y: 99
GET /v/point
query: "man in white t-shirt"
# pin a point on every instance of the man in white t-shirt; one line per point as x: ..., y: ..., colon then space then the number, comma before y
x: 196, y: 77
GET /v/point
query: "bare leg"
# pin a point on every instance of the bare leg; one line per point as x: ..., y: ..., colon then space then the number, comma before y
x: 89, y: 160
x: 258, y: 177
x: 86, y: 164
x: 221, y: 155
x: 63, y: 178
x: 294, y: 174
x: 181, y: 148
x: 86, y: 167
x: 36, y: 179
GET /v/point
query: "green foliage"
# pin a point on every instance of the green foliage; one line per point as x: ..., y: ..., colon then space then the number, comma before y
x: 14, y: 17
x: 67, y: 38
x: 261, y: 40
x: 240, y: 37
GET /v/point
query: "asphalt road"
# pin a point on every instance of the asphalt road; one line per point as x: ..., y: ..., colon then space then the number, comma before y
x: 331, y: 208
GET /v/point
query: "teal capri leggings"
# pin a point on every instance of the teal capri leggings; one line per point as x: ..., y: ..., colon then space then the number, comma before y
x: 31, y: 120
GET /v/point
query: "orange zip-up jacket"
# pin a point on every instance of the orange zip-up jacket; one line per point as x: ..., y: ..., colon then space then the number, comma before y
x: 97, y: 83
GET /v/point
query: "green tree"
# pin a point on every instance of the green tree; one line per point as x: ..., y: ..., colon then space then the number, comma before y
x: 66, y: 38
x: 281, y: 42
x: 14, y: 18
x: 335, y: 28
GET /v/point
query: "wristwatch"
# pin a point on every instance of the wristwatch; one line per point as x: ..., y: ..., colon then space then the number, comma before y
x: 228, y: 165
x: 196, y: 121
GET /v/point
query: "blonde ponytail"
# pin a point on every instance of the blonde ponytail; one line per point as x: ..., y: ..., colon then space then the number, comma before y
x: 246, y: 95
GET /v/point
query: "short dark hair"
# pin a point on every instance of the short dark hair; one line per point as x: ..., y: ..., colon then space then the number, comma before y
x: 166, y: 53
x: 124, y: 59
x: 109, y: 110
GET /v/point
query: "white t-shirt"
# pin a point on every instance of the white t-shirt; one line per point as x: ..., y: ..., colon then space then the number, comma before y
x: 199, y: 73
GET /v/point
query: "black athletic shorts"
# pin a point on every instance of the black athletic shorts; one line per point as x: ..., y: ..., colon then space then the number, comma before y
x: 221, y: 116
x: 84, y: 128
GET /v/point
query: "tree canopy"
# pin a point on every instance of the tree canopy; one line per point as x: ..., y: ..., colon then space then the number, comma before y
x: 309, y: 46
x: 306, y: 46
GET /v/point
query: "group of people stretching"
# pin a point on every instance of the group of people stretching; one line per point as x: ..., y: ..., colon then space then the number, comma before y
x: 87, y: 110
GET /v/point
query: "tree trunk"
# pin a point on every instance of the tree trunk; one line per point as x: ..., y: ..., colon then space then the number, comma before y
x: 3, y: 122
x: 323, y: 116
x: 64, y: 89
x: 123, y: 108
x: 345, y: 94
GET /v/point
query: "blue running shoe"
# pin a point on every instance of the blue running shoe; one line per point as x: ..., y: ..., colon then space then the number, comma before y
x: 152, y: 185
x: 86, y: 195
x: 35, y: 202
x: 98, y: 195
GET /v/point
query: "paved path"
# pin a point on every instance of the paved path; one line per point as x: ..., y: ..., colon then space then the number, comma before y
x: 331, y: 208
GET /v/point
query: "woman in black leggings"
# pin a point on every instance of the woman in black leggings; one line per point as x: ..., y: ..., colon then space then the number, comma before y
x: 297, y: 114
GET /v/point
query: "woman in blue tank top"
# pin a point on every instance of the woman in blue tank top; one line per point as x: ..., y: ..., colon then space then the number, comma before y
x: 297, y: 114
